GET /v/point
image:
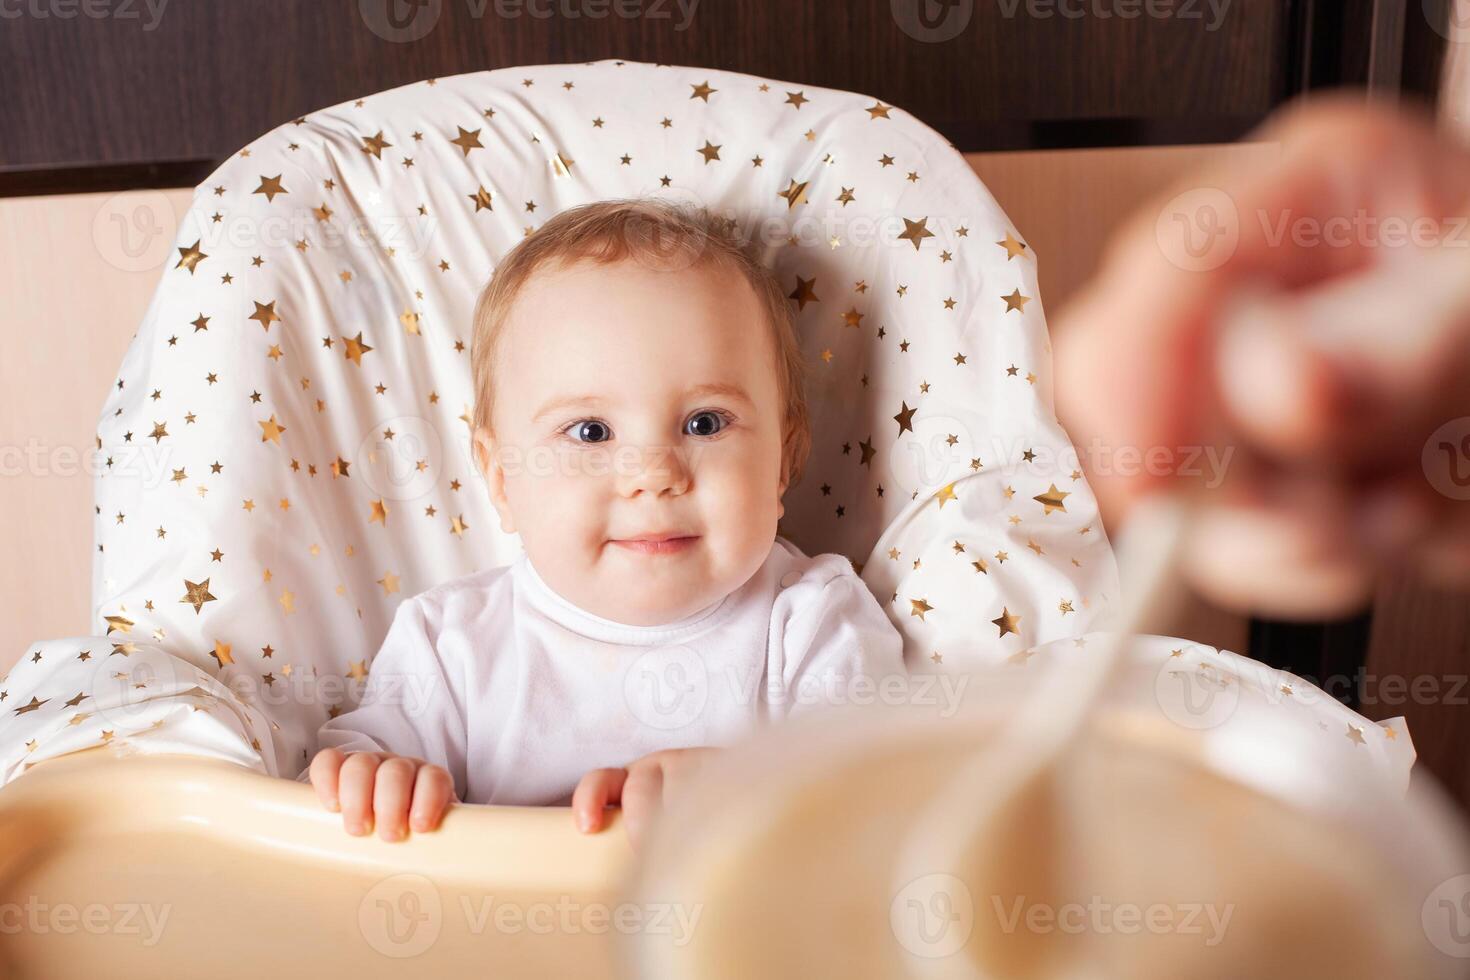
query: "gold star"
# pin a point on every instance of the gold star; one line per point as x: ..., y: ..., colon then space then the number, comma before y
x: 481, y: 197
x: 1065, y: 606
x: 288, y: 601
x: 379, y: 513
x: 33, y: 705
x: 794, y: 194
x: 915, y: 232
x: 375, y: 145
x: 389, y: 582
x: 865, y: 446
x: 878, y: 110
x: 918, y: 607
x: 190, y: 257
x: 1355, y: 735
x: 271, y: 430
x: 1052, y: 499
x: 1007, y: 621
x: 905, y: 418
x: 357, y: 669
x: 198, y: 594
x: 709, y: 151
x: 796, y: 99
x: 1016, y: 301
x: 946, y: 492
x: 846, y: 198
x: 221, y: 652
x: 200, y: 324
x: 265, y: 313
x: 804, y: 293
x: 467, y: 140
x: 1013, y: 248
x: 355, y: 348
x: 339, y: 467
x: 458, y: 527
x: 702, y: 91
x: 270, y: 187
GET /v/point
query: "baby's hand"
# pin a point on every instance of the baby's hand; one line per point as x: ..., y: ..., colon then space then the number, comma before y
x: 640, y: 789
x: 379, y: 787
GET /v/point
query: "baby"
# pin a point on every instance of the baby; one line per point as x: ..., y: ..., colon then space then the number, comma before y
x: 639, y: 413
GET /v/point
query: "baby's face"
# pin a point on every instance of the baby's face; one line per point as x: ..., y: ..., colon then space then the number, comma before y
x: 636, y: 404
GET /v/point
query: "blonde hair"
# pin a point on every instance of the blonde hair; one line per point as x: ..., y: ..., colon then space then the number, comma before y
x: 663, y: 235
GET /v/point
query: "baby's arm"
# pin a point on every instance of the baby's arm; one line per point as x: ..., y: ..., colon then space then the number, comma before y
x: 838, y: 647
x: 399, y: 756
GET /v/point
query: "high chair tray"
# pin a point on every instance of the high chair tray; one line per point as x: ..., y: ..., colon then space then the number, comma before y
x: 163, y: 866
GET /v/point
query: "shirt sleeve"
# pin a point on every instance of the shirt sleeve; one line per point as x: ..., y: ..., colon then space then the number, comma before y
x: 411, y: 704
x: 839, y: 647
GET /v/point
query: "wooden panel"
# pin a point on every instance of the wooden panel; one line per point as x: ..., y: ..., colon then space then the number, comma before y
x: 156, y: 81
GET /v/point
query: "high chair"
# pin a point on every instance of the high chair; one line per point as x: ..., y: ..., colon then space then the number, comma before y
x: 287, y: 457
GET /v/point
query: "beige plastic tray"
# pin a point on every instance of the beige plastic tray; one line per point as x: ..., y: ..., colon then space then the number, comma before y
x: 169, y: 866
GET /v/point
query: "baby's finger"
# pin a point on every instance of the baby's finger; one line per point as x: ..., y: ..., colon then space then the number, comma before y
x: 355, y: 791
x: 596, y: 790
x: 392, y: 791
x: 326, y: 766
x: 643, y: 795
x: 433, y: 788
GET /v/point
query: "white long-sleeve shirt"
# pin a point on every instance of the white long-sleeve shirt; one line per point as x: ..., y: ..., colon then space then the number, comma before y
x: 518, y: 693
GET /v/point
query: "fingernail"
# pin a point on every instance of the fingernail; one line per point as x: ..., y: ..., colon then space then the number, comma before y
x: 584, y: 822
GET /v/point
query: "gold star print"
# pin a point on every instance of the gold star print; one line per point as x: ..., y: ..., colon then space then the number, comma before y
x: 796, y: 99
x: 905, y: 418
x: 1065, y: 606
x: 846, y: 198
x: 1013, y: 248
x: 379, y: 513
x: 1007, y: 621
x: 200, y: 324
x: 561, y: 165
x: 804, y: 293
x: 270, y: 187
x: 190, y: 257
x: 467, y: 140
x: 878, y: 110
x: 265, y: 313
x: 702, y: 91
x: 1016, y: 302
x: 271, y: 430
x: 33, y: 705
x: 852, y: 318
x: 481, y: 197
x: 339, y: 467
x: 865, y: 446
x: 458, y: 527
x: 1052, y: 499
x: 709, y: 151
x: 198, y: 594
x: 980, y: 566
x: 1355, y: 735
x: 357, y: 669
x: 918, y: 607
x: 288, y: 601
x: 322, y: 213
x: 915, y: 232
x: 389, y: 582
x: 946, y: 492
x: 355, y: 348
x: 375, y: 145
x: 221, y: 653
x: 794, y: 193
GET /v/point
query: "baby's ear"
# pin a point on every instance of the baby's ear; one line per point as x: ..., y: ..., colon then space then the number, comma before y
x: 487, y: 458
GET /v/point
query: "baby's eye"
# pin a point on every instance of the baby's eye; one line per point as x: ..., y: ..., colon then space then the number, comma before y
x: 706, y: 423
x: 594, y: 430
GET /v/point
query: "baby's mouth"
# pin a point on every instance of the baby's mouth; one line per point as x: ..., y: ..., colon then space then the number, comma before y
x: 656, y: 544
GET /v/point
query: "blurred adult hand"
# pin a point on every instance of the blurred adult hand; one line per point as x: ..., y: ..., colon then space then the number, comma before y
x: 1306, y: 318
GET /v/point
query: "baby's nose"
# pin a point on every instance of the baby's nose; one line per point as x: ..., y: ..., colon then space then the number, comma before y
x: 655, y: 470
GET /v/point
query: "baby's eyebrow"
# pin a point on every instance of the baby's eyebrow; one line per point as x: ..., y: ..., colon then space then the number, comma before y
x: 708, y: 388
